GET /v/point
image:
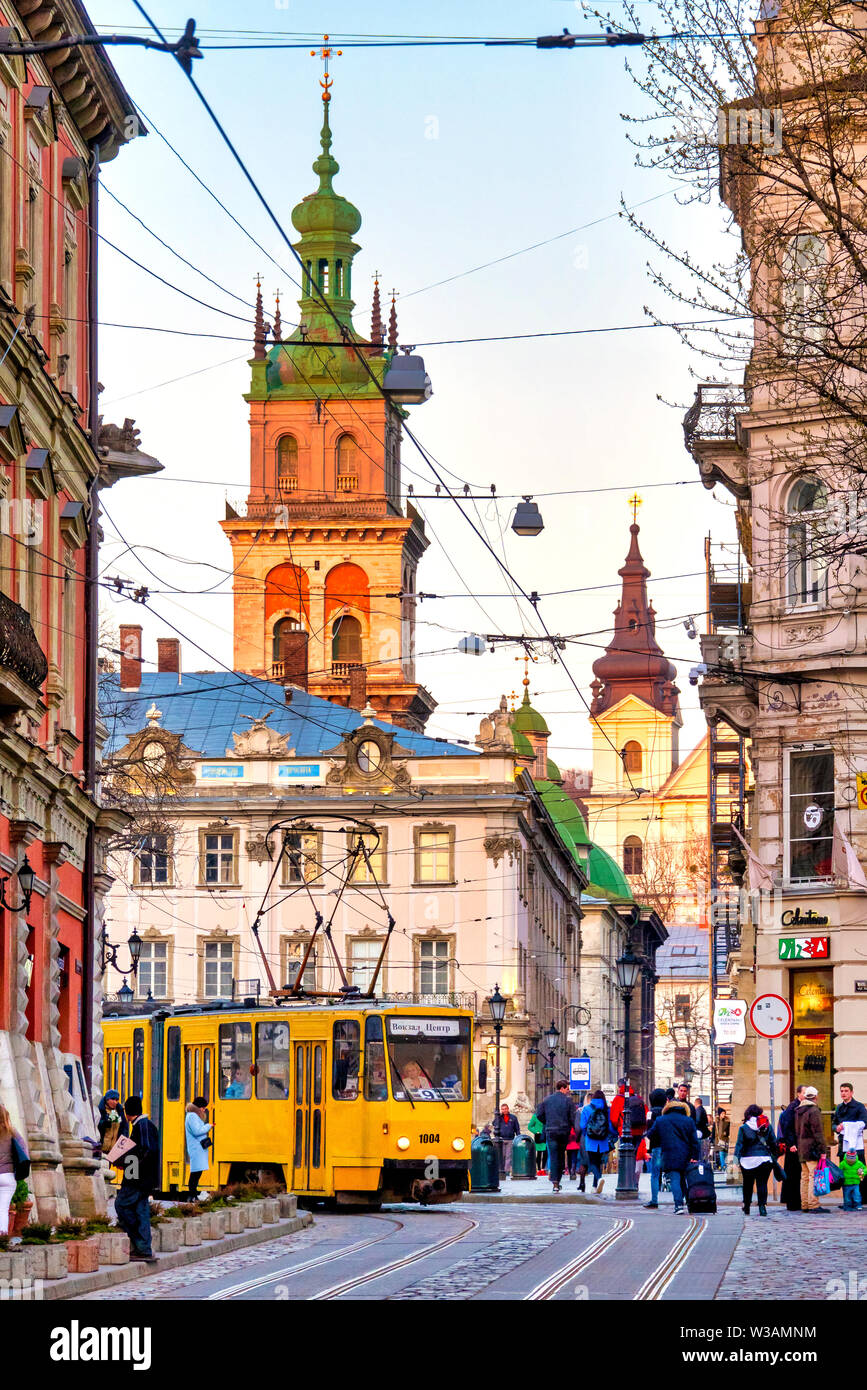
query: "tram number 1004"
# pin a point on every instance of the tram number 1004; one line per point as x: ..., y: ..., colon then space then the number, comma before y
x: 429, y: 1138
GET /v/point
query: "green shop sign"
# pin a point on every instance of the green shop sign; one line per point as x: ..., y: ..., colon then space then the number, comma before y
x: 804, y: 947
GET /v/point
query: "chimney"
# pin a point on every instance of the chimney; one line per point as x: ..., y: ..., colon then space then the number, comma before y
x: 169, y: 656
x: 130, y: 656
x: 357, y: 687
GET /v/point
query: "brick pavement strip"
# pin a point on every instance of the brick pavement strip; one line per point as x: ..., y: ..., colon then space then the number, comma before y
x: 512, y: 1247
x: 78, y: 1285
x: 792, y: 1255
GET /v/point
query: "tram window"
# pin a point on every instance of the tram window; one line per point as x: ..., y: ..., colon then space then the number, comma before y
x: 173, y: 1064
x: 206, y: 1075
x: 299, y: 1075
x: 317, y: 1075
x: 236, y: 1058
x: 299, y: 1137
x: 375, y: 1076
x: 347, y: 1058
x: 189, y: 1085
x: 273, y: 1075
x: 317, y: 1139
x: 138, y: 1061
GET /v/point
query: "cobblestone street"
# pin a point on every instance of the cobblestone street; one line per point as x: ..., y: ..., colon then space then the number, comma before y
x: 794, y: 1256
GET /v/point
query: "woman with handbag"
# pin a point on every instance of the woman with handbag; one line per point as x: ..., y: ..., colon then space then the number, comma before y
x: 756, y: 1152
x: 14, y: 1166
x: 197, y: 1132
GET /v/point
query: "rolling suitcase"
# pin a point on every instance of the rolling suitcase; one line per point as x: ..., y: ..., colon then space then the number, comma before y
x: 700, y: 1191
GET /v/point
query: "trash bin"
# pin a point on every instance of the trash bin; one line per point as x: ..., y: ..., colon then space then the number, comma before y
x: 524, y: 1158
x: 484, y: 1165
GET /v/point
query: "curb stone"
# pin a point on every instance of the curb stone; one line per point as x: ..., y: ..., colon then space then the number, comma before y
x: 76, y: 1284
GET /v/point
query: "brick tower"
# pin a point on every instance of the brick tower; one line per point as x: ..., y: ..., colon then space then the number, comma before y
x: 325, y: 558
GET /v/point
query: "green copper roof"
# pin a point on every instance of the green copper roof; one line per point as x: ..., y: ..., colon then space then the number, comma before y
x: 522, y: 743
x: 554, y: 773
x: 529, y: 720
x: 567, y: 818
x: 607, y: 879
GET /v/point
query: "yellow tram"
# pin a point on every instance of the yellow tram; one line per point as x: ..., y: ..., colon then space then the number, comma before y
x: 357, y: 1104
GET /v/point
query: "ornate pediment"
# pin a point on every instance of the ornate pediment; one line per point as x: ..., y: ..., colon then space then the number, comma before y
x: 259, y: 741
x: 369, y: 760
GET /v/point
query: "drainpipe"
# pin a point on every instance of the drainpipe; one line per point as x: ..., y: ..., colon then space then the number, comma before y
x: 91, y: 628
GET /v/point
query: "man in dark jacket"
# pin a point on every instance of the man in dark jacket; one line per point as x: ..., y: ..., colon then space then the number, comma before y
x: 557, y: 1113
x: 810, y: 1138
x: 141, y: 1177
x: 506, y: 1131
x: 791, y: 1193
x: 657, y: 1105
x: 675, y: 1134
x: 853, y: 1113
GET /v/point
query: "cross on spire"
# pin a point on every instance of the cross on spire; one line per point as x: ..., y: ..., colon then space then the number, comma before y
x: 324, y: 53
x: 635, y: 502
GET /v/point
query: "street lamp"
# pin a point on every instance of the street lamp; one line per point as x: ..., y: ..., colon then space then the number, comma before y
x: 25, y: 875
x: 628, y: 968
x: 125, y: 995
x: 552, y: 1037
x: 108, y: 953
x: 497, y: 1006
x: 527, y: 520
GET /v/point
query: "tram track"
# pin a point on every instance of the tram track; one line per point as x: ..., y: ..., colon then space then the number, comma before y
x: 337, y: 1290
x: 556, y: 1281
x: 289, y: 1271
x: 656, y: 1283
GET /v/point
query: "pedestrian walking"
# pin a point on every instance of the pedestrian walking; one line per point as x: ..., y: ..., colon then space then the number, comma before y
x: 506, y: 1131
x: 850, y: 1122
x: 537, y: 1129
x: 755, y: 1151
x: 657, y: 1105
x: 854, y: 1173
x: 557, y: 1113
x: 641, y: 1154
x: 573, y: 1153
x: 703, y: 1125
x: 196, y: 1135
x: 721, y: 1132
x: 112, y: 1121
x: 14, y: 1166
x: 810, y: 1138
x: 598, y: 1134
x: 791, y: 1190
x: 628, y: 1102
x: 675, y: 1134
x: 141, y: 1176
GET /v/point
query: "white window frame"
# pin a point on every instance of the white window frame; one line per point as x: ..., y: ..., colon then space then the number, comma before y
x: 149, y: 947
x: 801, y: 884
x: 436, y: 964
x: 816, y: 569
x: 805, y: 276
x: 219, y: 950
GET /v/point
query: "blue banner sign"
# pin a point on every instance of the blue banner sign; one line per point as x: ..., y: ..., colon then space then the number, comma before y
x: 222, y: 771
x: 579, y: 1073
x: 298, y: 770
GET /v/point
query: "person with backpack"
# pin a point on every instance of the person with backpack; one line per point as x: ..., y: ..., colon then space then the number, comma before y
x: 675, y: 1134
x: 597, y: 1133
x: 557, y: 1113
x: 657, y: 1105
x: 756, y: 1152
x: 537, y: 1129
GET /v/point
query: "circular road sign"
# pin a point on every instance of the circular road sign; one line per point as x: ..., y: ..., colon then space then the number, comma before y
x: 771, y: 1016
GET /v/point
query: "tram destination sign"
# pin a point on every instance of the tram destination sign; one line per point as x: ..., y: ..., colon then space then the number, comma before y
x: 430, y: 1027
x: 804, y: 947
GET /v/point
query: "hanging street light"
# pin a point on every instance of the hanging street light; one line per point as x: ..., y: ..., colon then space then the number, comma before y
x: 26, y: 877
x: 527, y: 520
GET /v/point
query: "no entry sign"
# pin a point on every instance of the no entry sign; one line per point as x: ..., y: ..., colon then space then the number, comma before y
x: 771, y: 1016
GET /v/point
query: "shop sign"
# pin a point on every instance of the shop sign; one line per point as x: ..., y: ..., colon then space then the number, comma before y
x: 221, y: 772
x: 861, y: 784
x: 729, y: 1022
x: 861, y: 986
x: 794, y: 917
x: 804, y: 947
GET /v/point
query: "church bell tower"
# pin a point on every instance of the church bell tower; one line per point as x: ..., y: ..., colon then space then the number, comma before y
x: 324, y: 558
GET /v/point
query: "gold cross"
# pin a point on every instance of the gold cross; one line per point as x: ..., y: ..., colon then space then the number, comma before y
x: 635, y: 502
x: 325, y: 82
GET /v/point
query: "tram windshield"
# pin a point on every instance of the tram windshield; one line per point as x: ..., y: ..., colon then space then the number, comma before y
x: 430, y: 1058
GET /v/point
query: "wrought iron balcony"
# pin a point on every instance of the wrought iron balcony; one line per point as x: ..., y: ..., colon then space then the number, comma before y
x: 714, y: 412
x: 23, y: 663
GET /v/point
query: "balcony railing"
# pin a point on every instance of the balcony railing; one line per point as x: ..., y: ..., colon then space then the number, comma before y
x: 20, y: 652
x: 287, y: 483
x: 344, y: 668
x: 714, y: 412
x: 347, y: 482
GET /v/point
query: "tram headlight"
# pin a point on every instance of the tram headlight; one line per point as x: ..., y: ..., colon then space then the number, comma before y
x: 458, y: 1144
x: 403, y: 1142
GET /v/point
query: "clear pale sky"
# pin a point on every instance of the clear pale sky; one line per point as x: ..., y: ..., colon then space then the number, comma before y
x: 454, y: 157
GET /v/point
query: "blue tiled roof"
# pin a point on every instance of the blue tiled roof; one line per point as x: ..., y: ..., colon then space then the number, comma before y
x: 684, y: 953
x: 208, y: 706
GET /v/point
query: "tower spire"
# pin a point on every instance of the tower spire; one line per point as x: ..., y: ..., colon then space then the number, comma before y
x: 259, y: 324
x: 277, y: 331
x: 392, y: 323
x: 377, y: 332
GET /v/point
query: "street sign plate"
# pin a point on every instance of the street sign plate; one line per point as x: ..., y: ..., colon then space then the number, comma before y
x: 770, y: 1016
x: 579, y: 1073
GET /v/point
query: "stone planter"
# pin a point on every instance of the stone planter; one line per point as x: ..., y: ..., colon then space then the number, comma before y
x: 14, y: 1265
x: 113, y: 1248
x: 270, y: 1211
x: 254, y: 1215
x: 166, y: 1238
x: 234, y: 1220
x: 213, y: 1225
x: 48, y: 1261
x: 192, y: 1228
x: 83, y: 1256
x: 288, y: 1204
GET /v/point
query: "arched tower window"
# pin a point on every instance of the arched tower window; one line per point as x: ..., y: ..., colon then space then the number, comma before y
x: 633, y: 855
x: 289, y: 653
x: 346, y: 640
x: 281, y: 637
x: 632, y: 756
x: 806, y: 529
x: 347, y: 464
x: 324, y: 283
x: 287, y: 463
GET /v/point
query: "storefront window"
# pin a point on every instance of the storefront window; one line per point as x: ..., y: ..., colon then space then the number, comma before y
x: 810, y: 815
x: 812, y: 1035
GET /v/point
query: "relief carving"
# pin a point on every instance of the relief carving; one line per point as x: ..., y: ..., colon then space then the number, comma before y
x: 259, y: 741
x: 498, y: 846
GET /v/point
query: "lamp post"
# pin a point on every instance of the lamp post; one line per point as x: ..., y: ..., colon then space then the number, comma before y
x: 552, y: 1037
x: 533, y: 1059
x: 497, y: 1006
x: 628, y: 968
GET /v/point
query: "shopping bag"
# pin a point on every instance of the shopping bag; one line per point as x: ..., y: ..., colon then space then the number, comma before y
x: 835, y: 1177
x: 821, y: 1179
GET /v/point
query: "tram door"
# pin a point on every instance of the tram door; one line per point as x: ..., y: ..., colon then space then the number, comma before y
x: 199, y: 1074
x: 309, y: 1140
